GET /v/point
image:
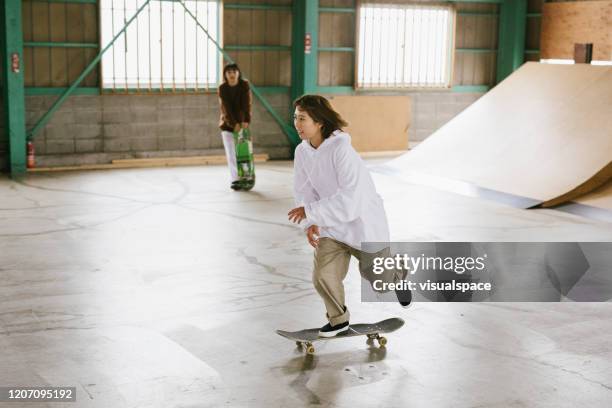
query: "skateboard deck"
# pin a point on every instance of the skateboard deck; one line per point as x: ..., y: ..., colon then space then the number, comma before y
x: 305, y: 338
x: 244, y: 159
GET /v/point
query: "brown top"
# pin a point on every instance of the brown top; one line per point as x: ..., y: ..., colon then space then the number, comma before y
x: 235, y: 104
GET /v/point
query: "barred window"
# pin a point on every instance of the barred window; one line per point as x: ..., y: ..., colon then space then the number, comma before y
x: 404, y: 45
x: 163, y: 48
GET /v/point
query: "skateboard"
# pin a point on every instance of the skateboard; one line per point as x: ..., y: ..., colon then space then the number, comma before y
x: 305, y: 338
x: 244, y: 159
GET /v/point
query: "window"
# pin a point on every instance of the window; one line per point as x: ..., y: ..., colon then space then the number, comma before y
x: 404, y: 45
x: 163, y: 48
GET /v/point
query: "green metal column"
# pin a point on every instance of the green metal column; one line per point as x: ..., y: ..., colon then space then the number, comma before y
x: 511, y: 49
x: 14, y: 100
x: 304, y: 64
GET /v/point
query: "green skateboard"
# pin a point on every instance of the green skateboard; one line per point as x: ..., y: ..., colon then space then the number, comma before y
x: 244, y: 159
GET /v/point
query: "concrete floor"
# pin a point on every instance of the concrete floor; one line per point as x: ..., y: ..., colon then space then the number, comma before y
x: 163, y: 288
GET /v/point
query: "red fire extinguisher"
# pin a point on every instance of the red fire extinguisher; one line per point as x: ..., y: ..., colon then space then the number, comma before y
x: 31, y: 162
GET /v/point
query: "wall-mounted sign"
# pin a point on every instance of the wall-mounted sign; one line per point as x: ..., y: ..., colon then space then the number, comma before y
x: 307, y: 43
x: 15, y: 62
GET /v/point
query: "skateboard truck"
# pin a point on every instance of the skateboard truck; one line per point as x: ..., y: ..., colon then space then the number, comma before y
x: 309, y: 347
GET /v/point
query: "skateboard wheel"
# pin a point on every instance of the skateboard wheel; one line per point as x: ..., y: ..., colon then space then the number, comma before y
x: 298, y: 343
x: 382, y: 341
x: 310, y: 349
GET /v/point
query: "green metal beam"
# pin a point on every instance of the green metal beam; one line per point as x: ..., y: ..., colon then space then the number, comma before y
x: 470, y: 88
x: 532, y: 51
x: 337, y: 10
x: 289, y: 131
x: 336, y: 90
x: 13, y: 95
x: 61, y: 44
x: 268, y: 90
x: 68, y: 1
x: 148, y: 91
x: 511, y: 48
x: 47, y: 116
x: 232, y: 6
x: 35, y: 91
x: 304, y: 64
x: 337, y: 49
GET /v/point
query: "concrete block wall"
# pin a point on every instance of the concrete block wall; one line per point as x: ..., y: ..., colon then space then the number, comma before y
x: 431, y: 110
x: 99, y: 129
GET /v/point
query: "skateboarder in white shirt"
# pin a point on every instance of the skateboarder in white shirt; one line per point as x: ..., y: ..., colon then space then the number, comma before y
x: 336, y: 197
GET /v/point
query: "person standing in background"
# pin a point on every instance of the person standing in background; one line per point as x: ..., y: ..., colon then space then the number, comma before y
x: 235, y: 101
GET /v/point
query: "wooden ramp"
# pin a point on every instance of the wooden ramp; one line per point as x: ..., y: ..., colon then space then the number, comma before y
x: 544, y: 133
x: 595, y: 205
x: 600, y: 198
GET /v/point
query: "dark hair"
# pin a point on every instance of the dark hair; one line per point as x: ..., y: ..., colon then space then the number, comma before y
x: 321, y: 111
x: 232, y: 66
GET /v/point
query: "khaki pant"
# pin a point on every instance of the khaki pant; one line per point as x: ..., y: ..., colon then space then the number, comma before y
x: 331, y: 264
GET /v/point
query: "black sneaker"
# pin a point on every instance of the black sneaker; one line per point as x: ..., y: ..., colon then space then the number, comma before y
x: 330, y: 331
x: 404, y: 297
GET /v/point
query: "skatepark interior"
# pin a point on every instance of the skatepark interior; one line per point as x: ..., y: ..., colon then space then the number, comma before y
x: 161, y: 287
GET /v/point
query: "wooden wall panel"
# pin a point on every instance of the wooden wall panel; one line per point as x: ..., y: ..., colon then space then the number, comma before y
x: 535, y: 6
x: 92, y: 79
x: 326, y: 66
x: 40, y: 21
x: 265, y: 68
x: 475, y: 69
x: 532, y: 33
x: 258, y: 67
x: 475, y: 32
x: 326, y: 29
x: 272, y: 28
x: 335, y: 69
x: 260, y: 27
x: 243, y: 28
x: 564, y: 24
x: 230, y: 27
x: 271, y: 71
x: 285, y: 28
x: 90, y: 22
x: 59, y: 22
x: 284, y: 69
x: 336, y: 30
x: 390, y: 129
